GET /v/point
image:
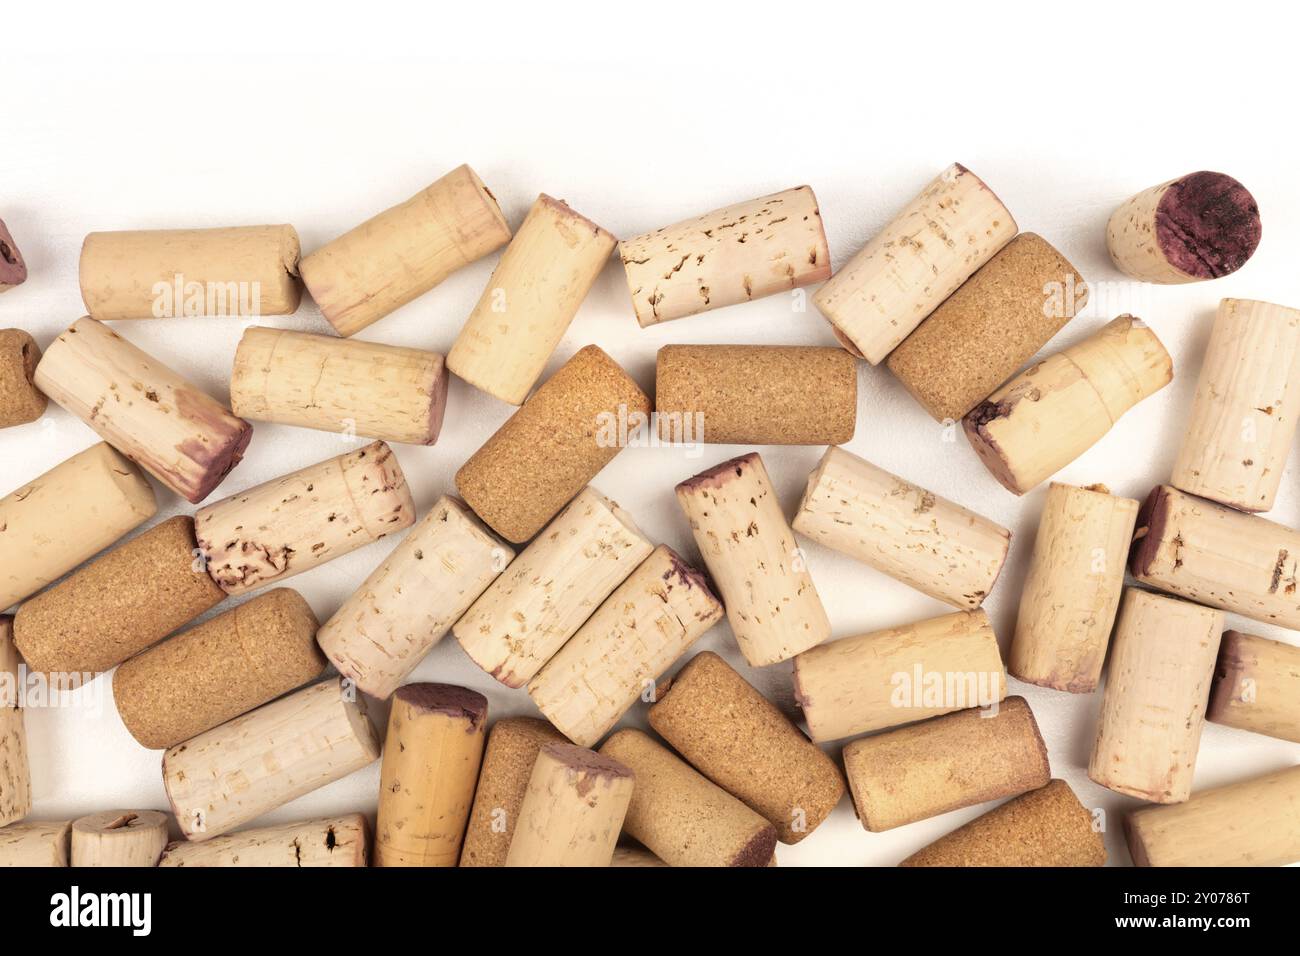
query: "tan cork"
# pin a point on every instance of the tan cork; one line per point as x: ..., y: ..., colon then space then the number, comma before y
x: 20, y: 400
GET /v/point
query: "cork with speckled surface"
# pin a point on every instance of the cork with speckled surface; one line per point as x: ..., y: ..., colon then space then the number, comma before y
x: 15, y: 776
x: 682, y: 817
x: 737, y: 738
x: 13, y: 270
x: 20, y: 400
x: 546, y: 452
x: 985, y: 331
x: 225, y: 667
x: 114, y: 608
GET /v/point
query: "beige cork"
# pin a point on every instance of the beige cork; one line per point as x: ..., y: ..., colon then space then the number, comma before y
x: 737, y: 738
x: 405, y: 251
x: 133, y: 838
x: 512, y: 749
x: 680, y: 816
x: 742, y: 252
x: 35, y: 844
x: 118, y: 605
x: 1161, y: 666
x: 1257, y: 686
x: 985, y: 331
x: 534, y: 293
x: 1045, y: 827
x: 625, y: 854
x: 20, y: 400
x: 244, y: 271
x: 756, y: 394
x: 549, y: 449
x: 1071, y: 594
x: 292, y: 524
x: 339, y: 385
x: 426, y: 783
x: 945, y: 764
x: 334, y: 842
x: 899, y: 675
x: 13, y: 270
x: 15, y: 775
x: 225, y: 667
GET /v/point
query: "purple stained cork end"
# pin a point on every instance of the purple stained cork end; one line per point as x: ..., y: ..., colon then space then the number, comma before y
x: 719, y: 475
x: 758, y: 851
x: 447, y: 699
x: 1151, y: 520
x: 585, y: 761
x: 1207, y: 225
x: 13, y: 270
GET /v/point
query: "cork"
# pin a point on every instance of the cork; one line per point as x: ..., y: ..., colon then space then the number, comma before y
x: 1045, y: 827
x: 1257, y: 686
x: 332, y: 842
x: 15, y: 775
x: 737, y: 738
x: 225, y: 667
x: 117, y: 838
x: 625, y: 854
x: 756, y: 394
x: 118, y: 605
x: 20, y: 400
x: 549, y: 449
x: 13, y: 269
x: 35, y: 844
x: 945, y: 764
x: 682, y: 817
x: 985, y: 331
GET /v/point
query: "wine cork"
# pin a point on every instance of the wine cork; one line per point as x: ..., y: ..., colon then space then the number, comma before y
x: 680, y: 816
x: 118, y: 605
x: 512, y: 749
x: 772, y: 606
x: 742, y: 252
x: 737, y: 738
x: 573, y: 809
x: 15, y: 775
x: 645, y: 625
x: 431, y: 762
x: 627, y: 855
x: 1045, y: 827
x: 70, y: 513
x: 1072, y: 591
x: 1217, y: 556
x: 946, y: 764
x: 1200, y: 226
x: 984, y: 332
x: 900, y: 529
x: 410, y: 602
x: 935, y: 244
x: 1161, y: 664
x: 243, y: 271
x: 182, y: 436
x: 1055, y: 410
x: 292, y: 524
x: 1247, y: 403
x: 339, y: 385
x: 1257, y: 686
x: 131, y: 838
x: 13, y: 269
x: 20, y: 400
x: 225, y: 777
x: 899, y: 675
x: 405, y: 251
x: 527, y: 614
x: 334, y: 842
x: 225, y: 667
x: 35, y: 844
x: 756, y: 394
x: 549, y: 449
x: 1254, y: 822
x: 534, y: 293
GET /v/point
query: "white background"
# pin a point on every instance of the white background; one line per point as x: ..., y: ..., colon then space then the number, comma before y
x: 162, y: 115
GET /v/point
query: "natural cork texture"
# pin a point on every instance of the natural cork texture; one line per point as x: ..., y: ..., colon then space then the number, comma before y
x: 223, y: 668
x: 1257, y: 686
x: 119, y: 605
x: 945, y: 764
x: 985, y: 331
x: 13, y: 270
x: 15, y: 777
x: 20, y: 400
x: 756, y: 394
x: 35, y: 844
x: 1045, y: 827
x: 334, y: 842
x: 547, y: 451
x: 737, y: 738
x: 116, y: 838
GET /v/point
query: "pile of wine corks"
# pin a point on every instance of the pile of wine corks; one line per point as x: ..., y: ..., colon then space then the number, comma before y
x: 625, y: 740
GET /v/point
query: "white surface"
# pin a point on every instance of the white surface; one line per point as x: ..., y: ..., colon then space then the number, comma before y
x: 639, y: 117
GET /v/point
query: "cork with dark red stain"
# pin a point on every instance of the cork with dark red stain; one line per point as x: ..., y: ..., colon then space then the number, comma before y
x: 13, y: 270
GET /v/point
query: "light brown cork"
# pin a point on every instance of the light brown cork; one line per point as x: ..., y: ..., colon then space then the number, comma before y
x: 546, y: 452
x: 1045, y: 827
x: 1257, y: 686
x: 20, y: 400
x: 737, y: 738
x: 15, y: 776
x: 117, y: 838
x: 120, y: 604
x: 335, y: 842
x: 223, y: 668
x: 945, y: 764
x: 986, y: 330
x: 756, y: 394
x: 35, y: 844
